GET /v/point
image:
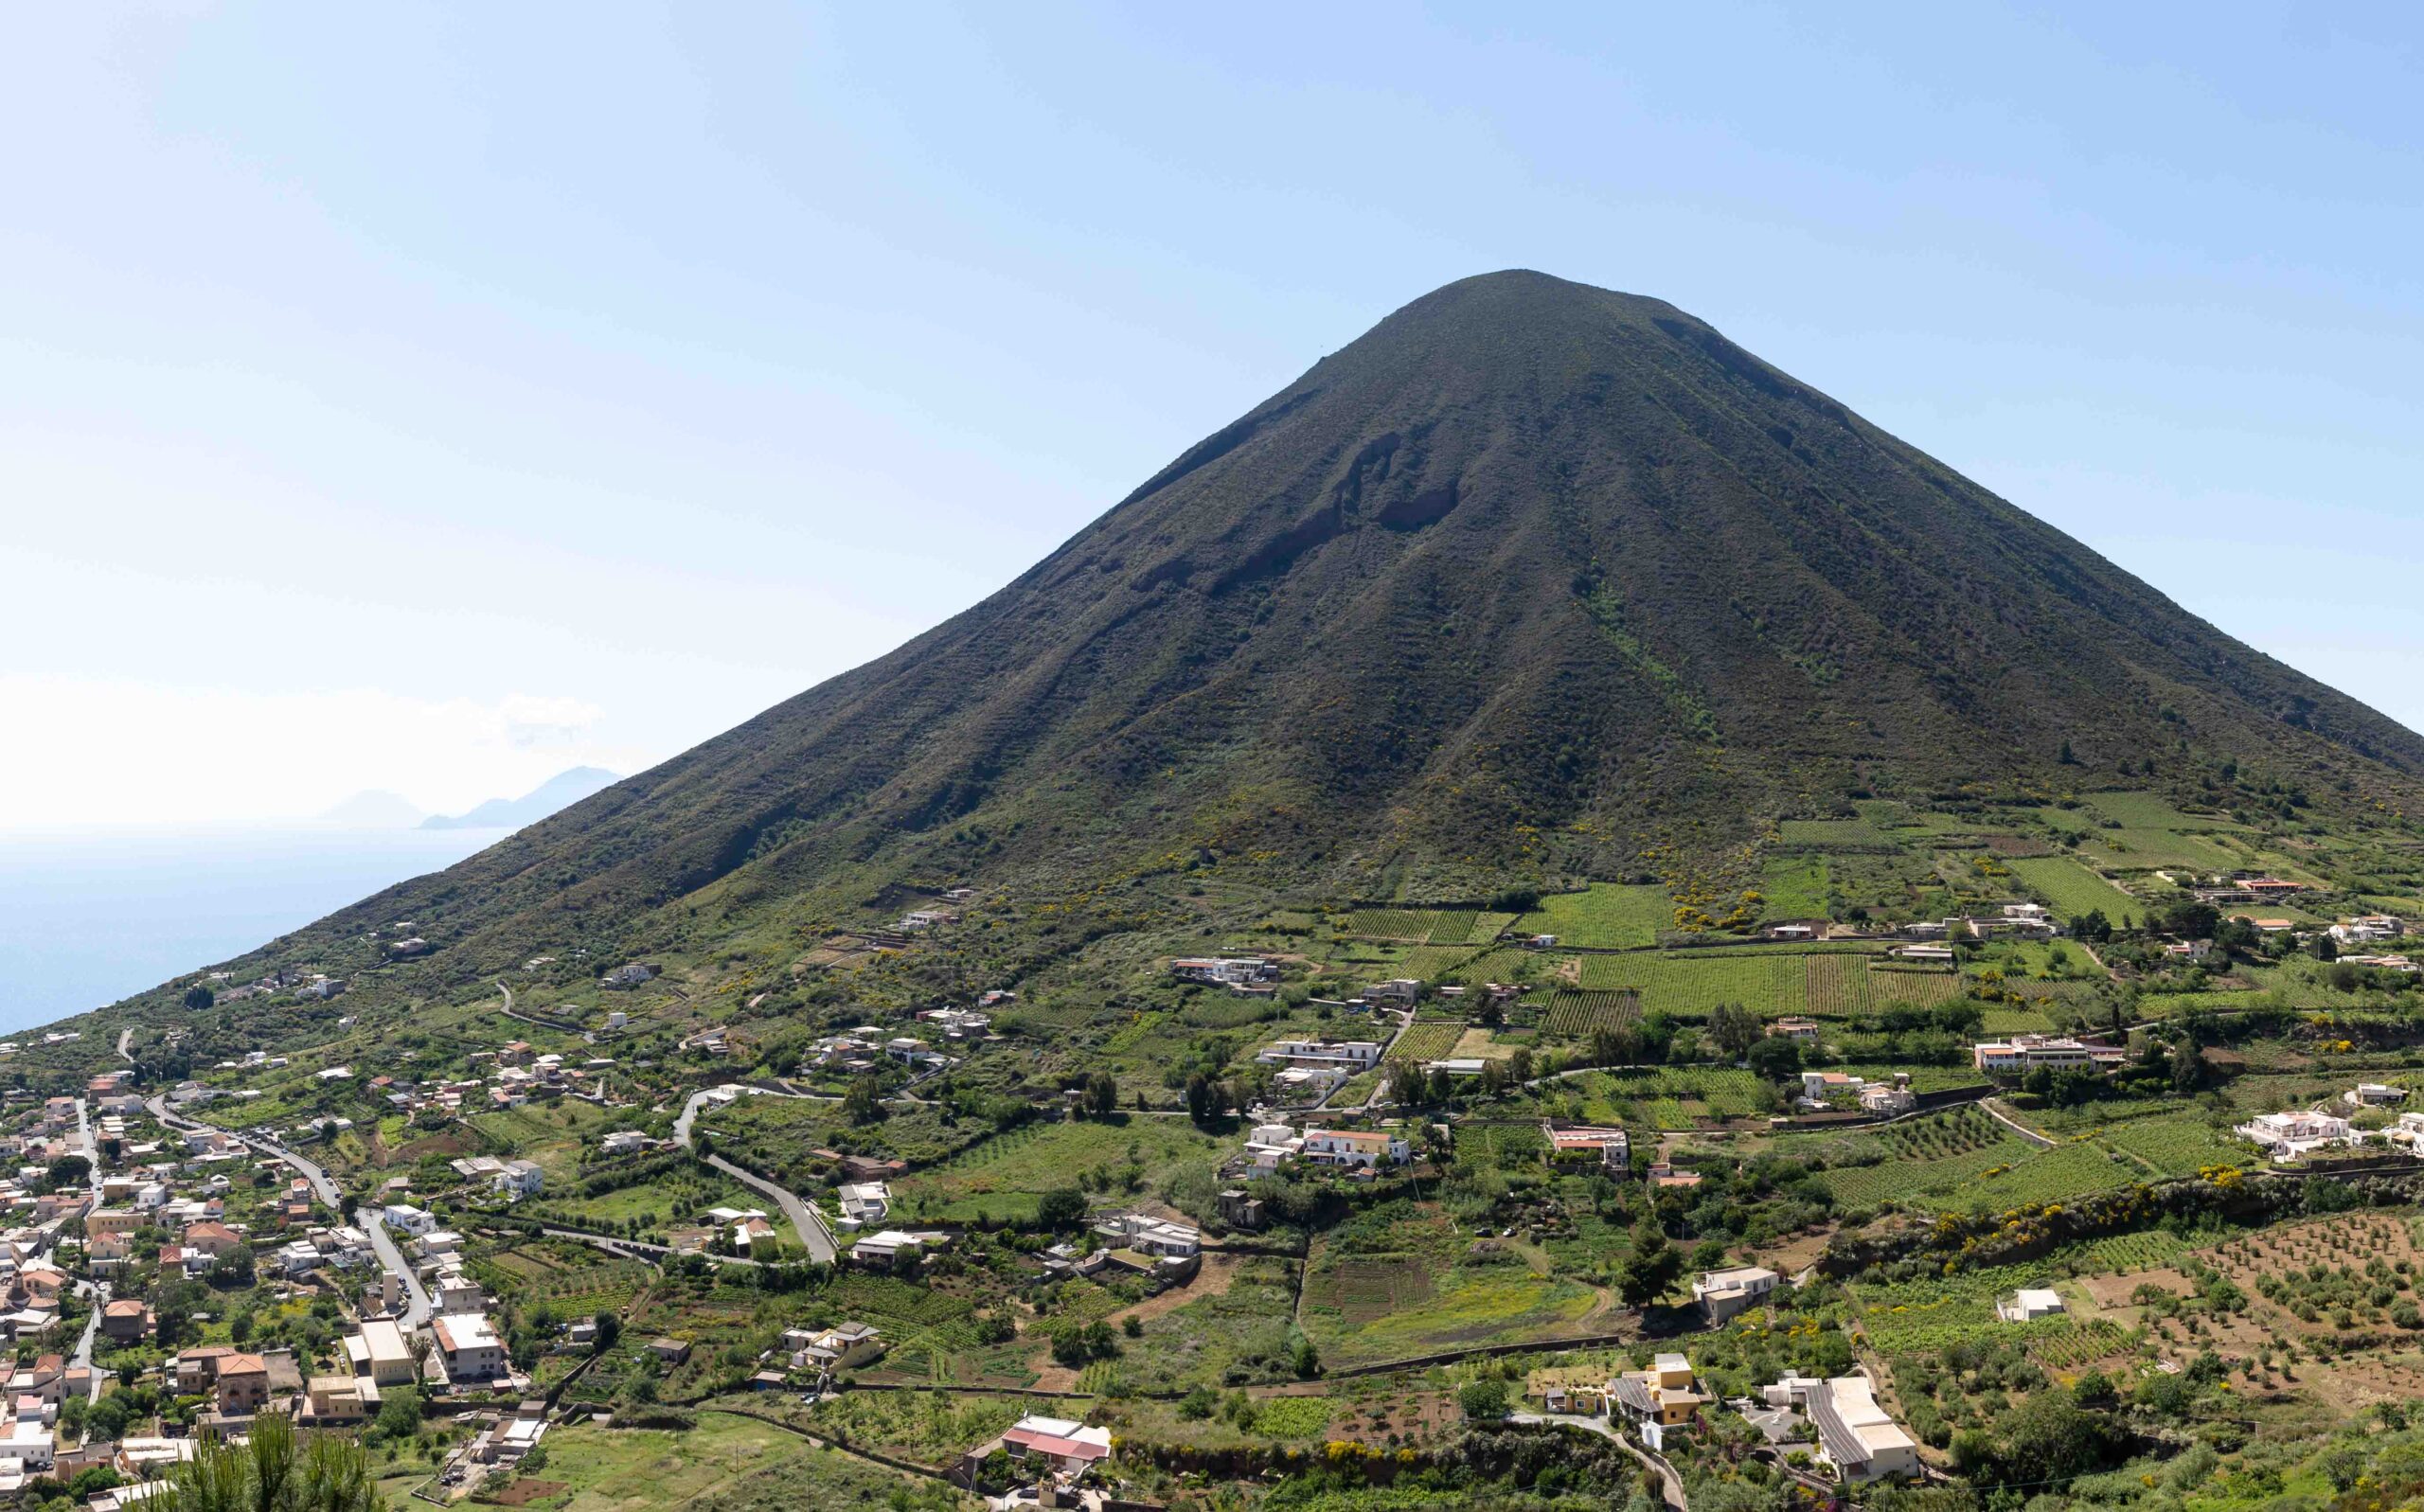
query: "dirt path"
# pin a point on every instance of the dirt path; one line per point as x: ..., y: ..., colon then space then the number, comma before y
x: 2014, y: 1124
x: 1213, y: 1280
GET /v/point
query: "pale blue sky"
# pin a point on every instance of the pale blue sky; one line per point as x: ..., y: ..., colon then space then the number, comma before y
x: 431, y: 400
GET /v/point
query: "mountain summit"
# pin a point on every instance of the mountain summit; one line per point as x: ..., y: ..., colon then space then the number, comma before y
x: 1531, y: 578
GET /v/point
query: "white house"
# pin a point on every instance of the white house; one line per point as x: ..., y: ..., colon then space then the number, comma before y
x: 890, y: 1250
x: 521, y: 1178
x: 1356, y: 1147
x: 2369, y: 929
x: 1856, y: 1436
x: 1060, y: 1446
x: 1722, y: 1294
x: 2295, y: 1133
x: 2373, y: 1094
x: 2023, y: 1053
x: 1238, y: 973
x: 1150, y: 1235
x: 468, y: 1343
x: 843, y: 1347
x: 2028, y: 1304
x: 863, y: 1203
x: 1350, y: 1055
x: 1270, y: 1143
x: 1821, y: 1086
x: 1893, y: 1102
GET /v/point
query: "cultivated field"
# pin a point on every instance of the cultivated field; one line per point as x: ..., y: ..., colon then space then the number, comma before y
x: 2071, y: 889
x: 1608, y: 916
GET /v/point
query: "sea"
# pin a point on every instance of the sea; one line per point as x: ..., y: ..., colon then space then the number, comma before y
x: 87, y: 918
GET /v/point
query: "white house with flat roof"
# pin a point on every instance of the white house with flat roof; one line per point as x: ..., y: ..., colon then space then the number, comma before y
x: 1723, y: 1293
x: 1858, y: 1438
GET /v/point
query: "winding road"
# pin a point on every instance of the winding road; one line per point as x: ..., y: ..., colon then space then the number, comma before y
x: 810, y: 1223
x: 391, y: 1259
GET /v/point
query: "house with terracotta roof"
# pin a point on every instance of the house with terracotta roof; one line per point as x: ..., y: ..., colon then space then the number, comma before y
x: 242, y: 1386
x: 126, y: 1319
x: 1052, y: 1447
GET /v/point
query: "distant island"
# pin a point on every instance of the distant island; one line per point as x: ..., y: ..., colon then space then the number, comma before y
x: 559, y: 791
x: 375, y: 809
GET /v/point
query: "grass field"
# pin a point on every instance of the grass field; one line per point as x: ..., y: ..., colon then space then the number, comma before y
x: 1247, y: 1327
x: 1658, y: 1096
x: 1412, y: 926
x: 1836, y: 834
x: 1795, y: 887
x: 550, y: 1134
x: 2175, y: 1145
x: 723, y: 1462
x: 1609, y: 915
x: 1004, y: 1175
x: 1435, y: 963
x: 2071, y: 889
x: 2139, y: 849
x: 2148, y: 810
x: 1400, y: 1281
x: 1925, y: 1159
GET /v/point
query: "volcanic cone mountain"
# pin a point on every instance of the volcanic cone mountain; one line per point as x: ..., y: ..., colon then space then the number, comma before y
x: 1530, y: 579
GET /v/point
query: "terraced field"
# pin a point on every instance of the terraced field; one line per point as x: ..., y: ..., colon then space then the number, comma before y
x: 1409, y: 926
x: 1665, y: 1096
x: 1434, y: 1041
x: 1579, y: 1015
x: 2073, y: 889
x: 2180, y: 1146
x: 2141, y: 849
x: 1005, y: 1176
x: 1842, y: 986
x: 1836, y: 834
x: 1400, y: 1281
x: 1609, y: 915
x: 1691, y: 985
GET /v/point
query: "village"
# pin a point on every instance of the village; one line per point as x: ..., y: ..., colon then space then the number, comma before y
x: 1542, y: 1179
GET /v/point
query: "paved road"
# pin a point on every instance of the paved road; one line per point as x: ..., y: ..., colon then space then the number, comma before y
x: 638, y: 1249
x: 99, y: 1289
x: 83, y: 1355
x: 125, y: 1038
x: 417, y: 1304
x: 391, y: 1259
x: 810, y: 1223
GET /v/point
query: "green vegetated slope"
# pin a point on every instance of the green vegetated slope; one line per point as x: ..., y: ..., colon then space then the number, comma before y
x: 1529, y: 580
